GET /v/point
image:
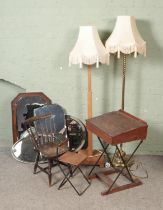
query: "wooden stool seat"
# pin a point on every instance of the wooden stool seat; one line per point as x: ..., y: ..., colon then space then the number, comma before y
x: 73, y: 158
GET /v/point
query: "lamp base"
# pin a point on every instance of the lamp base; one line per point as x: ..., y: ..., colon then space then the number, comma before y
x: 117, y: 161
x: 92, y: 159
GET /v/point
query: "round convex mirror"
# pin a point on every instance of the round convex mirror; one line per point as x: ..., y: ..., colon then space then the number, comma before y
x: 77, y: 133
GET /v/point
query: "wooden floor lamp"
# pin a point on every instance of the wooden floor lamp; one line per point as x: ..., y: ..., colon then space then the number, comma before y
x: 89, y: 50
x: 125, y: 39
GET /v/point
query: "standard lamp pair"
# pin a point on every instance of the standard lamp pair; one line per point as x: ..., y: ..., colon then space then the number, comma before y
x: 89, y: 50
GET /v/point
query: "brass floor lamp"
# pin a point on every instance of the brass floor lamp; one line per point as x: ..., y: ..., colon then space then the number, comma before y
x: 125, y: 39
x: 89, y: 50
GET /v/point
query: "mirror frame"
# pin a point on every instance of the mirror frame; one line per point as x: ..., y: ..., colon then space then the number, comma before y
x: 28, y: 98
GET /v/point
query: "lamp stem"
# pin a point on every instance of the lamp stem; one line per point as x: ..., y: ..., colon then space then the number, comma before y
x: 123, y: 85
x: 90, y: 146
x: 123, y: 81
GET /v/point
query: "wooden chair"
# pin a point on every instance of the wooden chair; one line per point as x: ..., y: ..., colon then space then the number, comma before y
x: 56, y: 152
x: 71, y: 159
x: 47, y: 143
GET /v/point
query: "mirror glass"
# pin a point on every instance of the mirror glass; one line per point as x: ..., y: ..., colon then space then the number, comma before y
x: 23, y: 150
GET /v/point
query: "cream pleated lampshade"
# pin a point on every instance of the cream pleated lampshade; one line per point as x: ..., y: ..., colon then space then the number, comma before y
x: 88, y: 48
x: 125, y: 38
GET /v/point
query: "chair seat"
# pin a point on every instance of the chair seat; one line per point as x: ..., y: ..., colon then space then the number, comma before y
x: 73, y: 158
x: 49, y: 149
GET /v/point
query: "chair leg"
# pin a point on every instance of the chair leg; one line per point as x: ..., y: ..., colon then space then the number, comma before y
x: 36, y: 162
x: 49, y: 171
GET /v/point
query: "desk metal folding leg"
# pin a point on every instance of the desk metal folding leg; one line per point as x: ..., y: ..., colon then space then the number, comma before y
x: 115, y: 128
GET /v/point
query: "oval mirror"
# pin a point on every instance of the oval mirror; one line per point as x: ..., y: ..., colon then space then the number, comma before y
x: 23, y: 150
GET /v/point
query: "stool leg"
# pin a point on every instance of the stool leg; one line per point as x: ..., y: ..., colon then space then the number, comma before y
x: 67, y: 176
x: 70, y: 170
x: 70, y: 174
x: 84, y: 175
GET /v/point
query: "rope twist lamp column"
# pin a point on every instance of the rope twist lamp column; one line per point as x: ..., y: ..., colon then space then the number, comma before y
x: 89, y: 50
x: 125, y: 39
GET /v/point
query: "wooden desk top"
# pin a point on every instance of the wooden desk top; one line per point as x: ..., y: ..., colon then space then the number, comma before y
x: 117, y: 127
